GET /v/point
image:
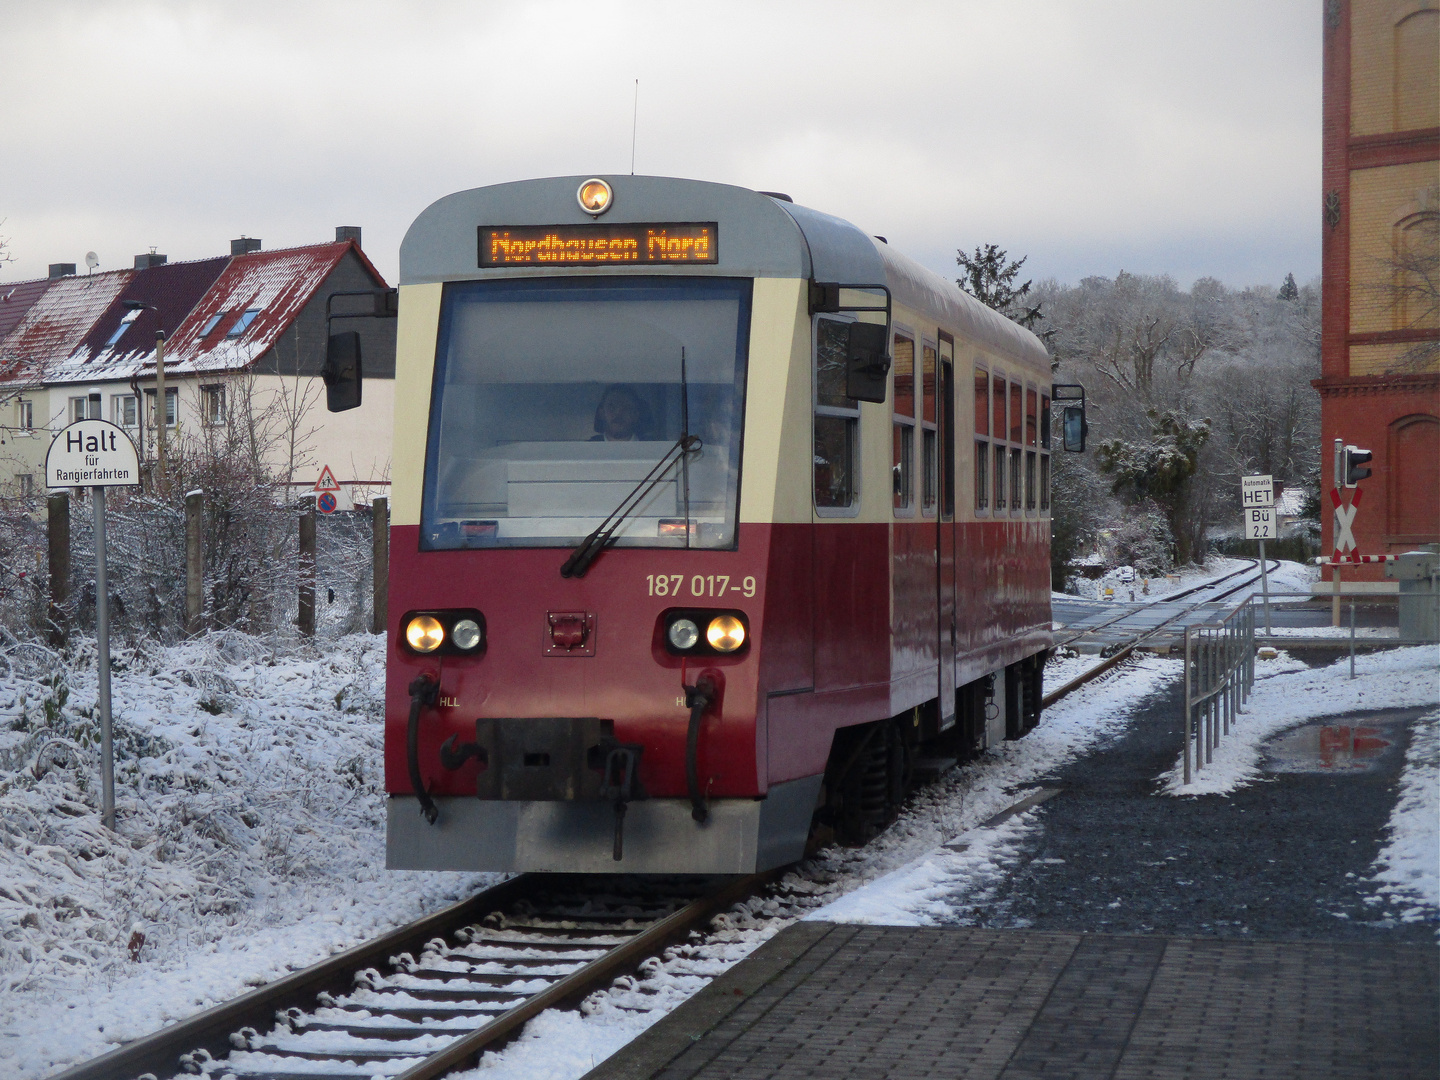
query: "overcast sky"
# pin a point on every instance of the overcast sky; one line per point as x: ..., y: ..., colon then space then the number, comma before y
x: 1092, y: 135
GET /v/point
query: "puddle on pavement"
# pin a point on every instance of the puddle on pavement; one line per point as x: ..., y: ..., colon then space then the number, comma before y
x: 1332, y: 748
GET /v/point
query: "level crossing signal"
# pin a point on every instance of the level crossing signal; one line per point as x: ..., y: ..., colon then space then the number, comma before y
x: 1355, y: 469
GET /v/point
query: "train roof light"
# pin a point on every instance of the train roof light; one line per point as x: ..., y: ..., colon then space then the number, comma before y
x: 595, y: 196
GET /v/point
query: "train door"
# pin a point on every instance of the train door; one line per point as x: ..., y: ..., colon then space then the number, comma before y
x: 945, y: 530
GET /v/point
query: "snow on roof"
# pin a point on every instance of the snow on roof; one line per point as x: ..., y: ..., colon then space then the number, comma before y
x: 16, y: 300
x: 275, y: 285
x: 171, y: 290
x: 60, y: 318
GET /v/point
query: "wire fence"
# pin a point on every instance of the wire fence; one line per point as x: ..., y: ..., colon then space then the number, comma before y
x: 250, y: 568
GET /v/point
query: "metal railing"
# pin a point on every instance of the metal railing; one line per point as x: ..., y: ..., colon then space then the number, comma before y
x: 1219, y: 675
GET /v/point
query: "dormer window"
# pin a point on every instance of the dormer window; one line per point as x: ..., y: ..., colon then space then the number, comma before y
x: 211, y: 323
x: 130, y: 317
x: 243, y: 323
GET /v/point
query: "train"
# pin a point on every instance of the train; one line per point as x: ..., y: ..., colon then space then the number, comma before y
x: 715, y: 521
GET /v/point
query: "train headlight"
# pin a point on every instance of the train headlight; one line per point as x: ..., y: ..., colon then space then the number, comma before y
x: 594, y: 196
x: 683, y: 634
x: 466, y: 634
x: 425, y: 634
x: 725, y: 633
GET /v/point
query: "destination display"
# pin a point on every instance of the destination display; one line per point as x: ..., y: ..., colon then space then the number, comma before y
x: 589, y: 245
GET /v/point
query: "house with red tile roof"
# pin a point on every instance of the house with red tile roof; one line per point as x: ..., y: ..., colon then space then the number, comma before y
x: 244, y: 341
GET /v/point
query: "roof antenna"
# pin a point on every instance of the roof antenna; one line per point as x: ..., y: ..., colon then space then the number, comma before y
x: 92, y: 260
x: 634, y: 121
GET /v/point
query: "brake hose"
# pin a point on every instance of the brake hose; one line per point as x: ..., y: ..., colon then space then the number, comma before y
x: 698, y: 697
x: 423, y: 691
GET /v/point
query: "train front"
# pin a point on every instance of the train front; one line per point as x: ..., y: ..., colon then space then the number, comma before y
x: 576, y: 599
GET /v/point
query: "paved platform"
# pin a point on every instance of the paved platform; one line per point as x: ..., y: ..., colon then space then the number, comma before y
x: 830, y: 1001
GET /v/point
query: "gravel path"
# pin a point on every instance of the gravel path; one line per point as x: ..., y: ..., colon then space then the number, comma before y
x: 1285, y: 859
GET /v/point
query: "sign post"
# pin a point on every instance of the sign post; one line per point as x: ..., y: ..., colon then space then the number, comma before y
x: 97, y: 454
x: 1257, y: 496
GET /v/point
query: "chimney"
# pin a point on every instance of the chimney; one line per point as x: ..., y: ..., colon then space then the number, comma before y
x: 347, y: 232
x: 244, y: 245
x: 59, y: 270
x: 145, y: 262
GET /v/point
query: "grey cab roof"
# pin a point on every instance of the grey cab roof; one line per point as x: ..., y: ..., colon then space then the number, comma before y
x: 757, y: 236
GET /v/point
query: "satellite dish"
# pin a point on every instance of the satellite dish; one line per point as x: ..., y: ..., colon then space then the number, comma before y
x: 92, y: 260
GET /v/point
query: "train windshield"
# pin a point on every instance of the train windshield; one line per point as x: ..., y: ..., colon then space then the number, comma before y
x: 553, y: 400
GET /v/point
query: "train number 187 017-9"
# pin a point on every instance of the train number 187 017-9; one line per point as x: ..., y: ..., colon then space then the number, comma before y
x: 700, y: 585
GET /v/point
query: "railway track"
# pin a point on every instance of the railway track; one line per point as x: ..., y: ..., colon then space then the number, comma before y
x: 427, y: 998
x: 1122, y: 649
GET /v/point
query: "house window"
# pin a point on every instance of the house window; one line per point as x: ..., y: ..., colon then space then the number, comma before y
x: 124, y: 410
x: 172, y: 410
x: 130, y: 317
x: 85, y: 408
x: 213, y: 401
x: 903, y: 459
x: 837, y: 420
x: 243, y: 323
x: 24, y: 417
x: 26, y: 484
x: 211, y: 323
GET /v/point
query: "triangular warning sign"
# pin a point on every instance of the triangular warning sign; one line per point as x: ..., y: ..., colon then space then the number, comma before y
x: 326, y: 481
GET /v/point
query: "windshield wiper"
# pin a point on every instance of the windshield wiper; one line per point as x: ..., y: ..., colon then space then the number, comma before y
x: 583, y: 555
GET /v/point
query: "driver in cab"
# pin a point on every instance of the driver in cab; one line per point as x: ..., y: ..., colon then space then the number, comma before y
x: 621, y: 416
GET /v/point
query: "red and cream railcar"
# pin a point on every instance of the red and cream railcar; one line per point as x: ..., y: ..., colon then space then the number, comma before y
x: 679, y: 570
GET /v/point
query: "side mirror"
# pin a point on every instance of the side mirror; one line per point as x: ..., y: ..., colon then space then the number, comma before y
x: 1074, y: 428
x: 342, y: 371
x: 866, y: 364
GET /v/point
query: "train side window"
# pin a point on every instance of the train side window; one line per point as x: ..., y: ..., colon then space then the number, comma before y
x: 930, y: 456
x: 1044, y: 483
x: 947, y: 427
x: 1015, y: 478
x: 1016, y: 416
x: 999, y: 456
x: 1029, y: 479
x: 982, y: 447
x: 997, y: 397
x: 903, y: 430
x: 1045, y: 421
x: 837, y: 420
x: 1030, y: 417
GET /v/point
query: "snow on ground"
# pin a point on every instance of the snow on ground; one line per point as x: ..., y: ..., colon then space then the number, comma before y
x: 895, y: 879
x: 250, y: 834
x: 1287, y: 693
x: 1362, y: 633
x: 1408, y: 866
x: 1125, y: 580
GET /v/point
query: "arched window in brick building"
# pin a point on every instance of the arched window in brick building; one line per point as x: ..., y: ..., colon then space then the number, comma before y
x: 1416, y: 270
x: 1417, y: 70
x: 1413, y: 465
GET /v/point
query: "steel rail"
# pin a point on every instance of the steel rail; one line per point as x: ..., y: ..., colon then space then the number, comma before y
x: 1114, y: 659
x: 211, y: 1029
x: 1165, y: 599
x: 161, y: 1052
x: 465, y: 1051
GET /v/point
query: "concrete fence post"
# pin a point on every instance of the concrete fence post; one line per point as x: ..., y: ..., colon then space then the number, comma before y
x: 306, y: 619
x: 58, y: 537
x: 380, y: 558
x: 194, y: 563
